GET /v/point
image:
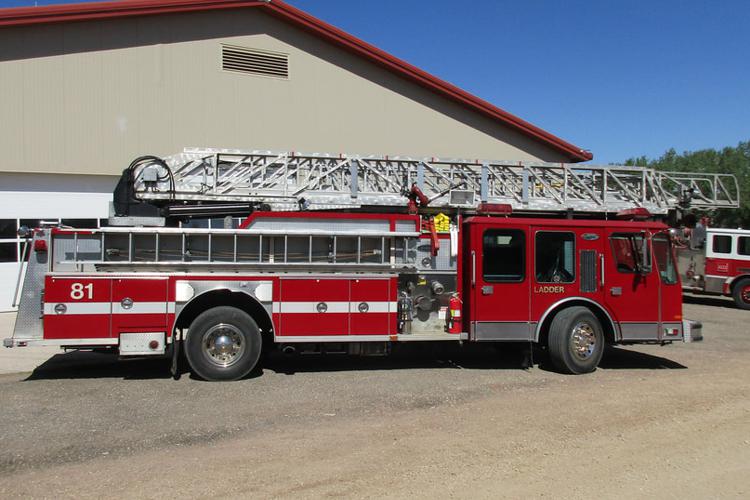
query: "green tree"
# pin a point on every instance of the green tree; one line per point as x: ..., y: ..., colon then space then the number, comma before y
x: 729, y: 160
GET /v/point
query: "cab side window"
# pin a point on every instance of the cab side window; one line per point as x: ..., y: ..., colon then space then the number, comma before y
x: 503, y: 252
x: 627, y: 249
x: 555, y: 257
x: 743, y: 245
x: 722, y: 244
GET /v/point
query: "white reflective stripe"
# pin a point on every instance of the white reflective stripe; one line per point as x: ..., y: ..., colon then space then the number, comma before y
x: 140, y: 308
x: 333, y: 307
x: 311, y: 307
x: 78, y: 308
x: 374, y: 306
x: 107, y: 307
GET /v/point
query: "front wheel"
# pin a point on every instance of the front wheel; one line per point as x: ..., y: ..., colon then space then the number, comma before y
x: 223, y: 343
x: 576, y: 341
x: 741, y: 293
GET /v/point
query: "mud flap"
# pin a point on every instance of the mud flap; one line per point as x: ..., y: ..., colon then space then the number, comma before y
x: 175, y: 369
x: 692, y: 331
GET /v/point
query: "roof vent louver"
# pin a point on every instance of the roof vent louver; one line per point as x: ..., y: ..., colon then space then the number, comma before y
x: 254, y: 61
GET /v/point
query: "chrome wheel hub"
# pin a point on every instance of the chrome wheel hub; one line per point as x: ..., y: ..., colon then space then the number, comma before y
x: 223, y: 344
x: 583, y: 340
x: 745, y: 294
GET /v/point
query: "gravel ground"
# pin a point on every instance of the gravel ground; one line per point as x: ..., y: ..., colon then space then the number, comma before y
x: 671, y: 421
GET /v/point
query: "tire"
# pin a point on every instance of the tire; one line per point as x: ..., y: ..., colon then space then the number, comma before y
x: 223, y: 343
x: 741, y: 293
x: 576, y: 341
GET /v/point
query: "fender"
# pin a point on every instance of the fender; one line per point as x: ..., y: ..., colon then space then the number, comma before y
x: 188, y: 291
x: 613, y: 324
x: 729, y: 283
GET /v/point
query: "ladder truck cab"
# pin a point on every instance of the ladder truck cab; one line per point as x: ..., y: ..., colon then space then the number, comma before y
x: 354, y: 254
x: 716, y: 261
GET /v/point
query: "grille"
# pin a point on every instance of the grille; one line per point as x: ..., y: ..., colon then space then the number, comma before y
x: 254, y: 62
x: 588, y: 271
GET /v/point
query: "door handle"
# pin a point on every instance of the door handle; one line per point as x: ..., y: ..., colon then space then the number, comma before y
x: 473, y: 268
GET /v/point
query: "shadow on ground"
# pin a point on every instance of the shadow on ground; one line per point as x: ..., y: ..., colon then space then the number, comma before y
x: 709, y: 300
x: 85, y: 365
x: 618, y: 358
x: 408, y: 356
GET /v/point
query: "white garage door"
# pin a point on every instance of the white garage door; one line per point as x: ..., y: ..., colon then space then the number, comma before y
x: 79, y: 201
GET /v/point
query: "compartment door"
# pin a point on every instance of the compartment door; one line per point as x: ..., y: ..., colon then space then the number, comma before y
x: 139, y: 305
x: 371, y: 307
x: 77, y: 308
x: 314, y: 307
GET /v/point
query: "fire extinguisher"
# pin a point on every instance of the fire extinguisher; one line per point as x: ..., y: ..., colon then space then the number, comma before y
x: 453, y: 318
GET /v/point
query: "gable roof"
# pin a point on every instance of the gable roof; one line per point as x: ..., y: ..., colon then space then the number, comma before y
x: 24, y: 16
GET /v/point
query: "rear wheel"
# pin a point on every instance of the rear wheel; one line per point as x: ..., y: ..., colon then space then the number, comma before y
x: 223, y: 343
x: 741, y: 293
x: 576, y: 340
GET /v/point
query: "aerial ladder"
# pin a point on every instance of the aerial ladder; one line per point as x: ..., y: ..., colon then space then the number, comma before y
x: 219, y: 182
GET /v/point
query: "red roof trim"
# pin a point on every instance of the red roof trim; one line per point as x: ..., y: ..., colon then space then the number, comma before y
x: 100, y: 10
x: 22, y: 16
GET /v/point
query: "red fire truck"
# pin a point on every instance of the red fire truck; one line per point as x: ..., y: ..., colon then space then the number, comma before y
x: 356, y: 253
x: 717, y: 261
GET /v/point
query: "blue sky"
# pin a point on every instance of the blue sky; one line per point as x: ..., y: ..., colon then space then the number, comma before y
x: 621, y: 78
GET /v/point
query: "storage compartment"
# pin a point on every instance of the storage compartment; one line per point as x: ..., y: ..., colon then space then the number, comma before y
x: 142, y: 343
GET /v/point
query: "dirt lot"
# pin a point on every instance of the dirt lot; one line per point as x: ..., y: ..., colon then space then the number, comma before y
x: 669, y: 422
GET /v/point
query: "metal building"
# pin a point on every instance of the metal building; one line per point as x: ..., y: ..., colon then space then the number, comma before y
x: 88, y: 87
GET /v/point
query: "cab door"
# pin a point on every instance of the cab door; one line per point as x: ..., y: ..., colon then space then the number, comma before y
x: 670, y: 289
x: 499, y: 282
x: 631, y: 284
x: 567, y: 263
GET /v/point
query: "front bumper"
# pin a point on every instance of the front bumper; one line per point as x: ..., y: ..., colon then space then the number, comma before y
x: 692, y: 331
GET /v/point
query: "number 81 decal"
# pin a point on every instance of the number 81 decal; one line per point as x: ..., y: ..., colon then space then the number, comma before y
x: 77, y: 291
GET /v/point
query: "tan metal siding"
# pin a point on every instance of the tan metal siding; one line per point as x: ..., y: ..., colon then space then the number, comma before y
x: 88, y: 97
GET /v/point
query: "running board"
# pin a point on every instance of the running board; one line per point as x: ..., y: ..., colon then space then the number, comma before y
x: 414, y: 337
